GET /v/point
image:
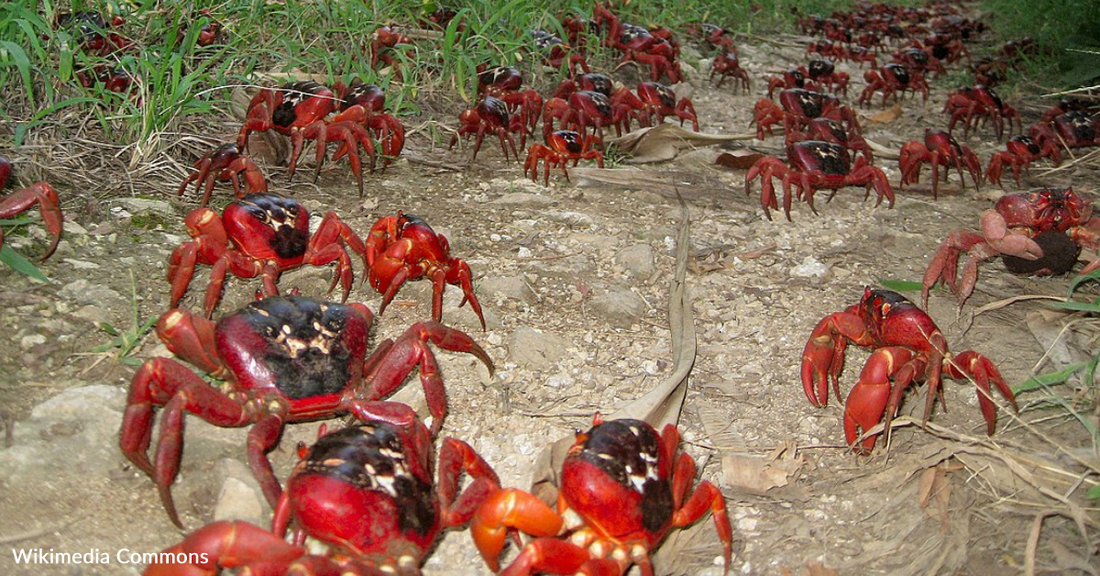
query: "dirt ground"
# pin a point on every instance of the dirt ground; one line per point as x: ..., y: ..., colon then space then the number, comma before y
x: 943, y: 500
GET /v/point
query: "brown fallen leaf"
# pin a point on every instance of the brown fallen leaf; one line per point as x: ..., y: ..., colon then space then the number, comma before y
x: 738, y: 159
x: 757, y: 475
x: 886, y: 116
x: 662, y: 142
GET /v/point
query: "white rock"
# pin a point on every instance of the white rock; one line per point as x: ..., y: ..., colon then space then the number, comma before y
x: 810, y: 268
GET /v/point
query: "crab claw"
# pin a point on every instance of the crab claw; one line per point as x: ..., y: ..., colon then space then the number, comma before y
x: 823, y: 356
x: 997, y: 234
x: 49, y: 206
x: 506, y: 509
x: 870, y: 398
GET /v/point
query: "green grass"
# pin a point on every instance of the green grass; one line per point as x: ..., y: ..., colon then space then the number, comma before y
x: 1075, y: 403
x: 180, y: 84
x: 1067, y: 31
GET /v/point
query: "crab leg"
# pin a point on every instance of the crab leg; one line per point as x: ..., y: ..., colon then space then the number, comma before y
x: 48, y: 205
x: 974, y: 365
x: 391, y: 364
x: 229, y: 544
x: 163, y: 381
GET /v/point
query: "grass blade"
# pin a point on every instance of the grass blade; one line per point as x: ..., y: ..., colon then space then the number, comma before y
x: 20, y: 264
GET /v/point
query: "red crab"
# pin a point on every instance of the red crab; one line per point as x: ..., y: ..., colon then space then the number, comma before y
x: 582, y: 110
x: 259, y: 235
x: 212, y: 32
x: 973, y: 104
x: 40, y: 193
x: 715, y: 36
x: 1018, y: 153
x: 284, y: 359
x: 823, y: 72
x: 919, y: 61
x: 946, y: 48
x: 1073, y: 129
x: 891, y: 79
x: 224, y: 163
x: 938, y: 149
x: 791, y: 78
x: 491, y: 115
x: 95, y: 34
x: 593, y: 81
x: 1010, y: 228
x: 403, y: 248
x: 814, y: 165
x: 383, y: 45
x: 561, y: 147
x: 623, y: 489
x: 795, y: 108
x: 907, y: 347
x: 366, y: 104
x: 366, y: 491
x: 555, y: 52
x: 505, y: 83
x: 639, y: 45
x: 727, y: 65
x: 656, y: 101
x: 301, y: 110
x: 848, y: 134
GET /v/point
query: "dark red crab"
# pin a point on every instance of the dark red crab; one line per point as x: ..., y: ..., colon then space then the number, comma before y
x: 907, y: 348
x: 283, y: 359
x: 797, y: 107
x: 814, y: 165
x: 366, y: 104
x: 367, y: 492
x: 1018, y: 154
x: 582, y: 110
x: 491, y: 116
x: 224, y: 163
x: 403, y: 248
x: 890, y: 80
x: 304, y: 111
x: 260, y: 235
x: 728, y: 65
x: 41, y: 194
x: 938, y: 149
x: 624, y: 488
x: 561, y: 147
x: 1010, y: 228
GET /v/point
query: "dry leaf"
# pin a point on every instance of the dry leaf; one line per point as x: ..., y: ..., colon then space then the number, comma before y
x: 662, y: 142
x: 758, y: 475
x: 888, y: 115
x: 926, y: 483
x: 738, y: 159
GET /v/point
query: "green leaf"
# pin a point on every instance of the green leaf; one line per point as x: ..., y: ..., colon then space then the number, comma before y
x: 901, y: 285
x: 1044, y: 380
x: 20, y: 264
x: 1076, y: 306
x: 23, y: 63
x: 1093, y: 493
